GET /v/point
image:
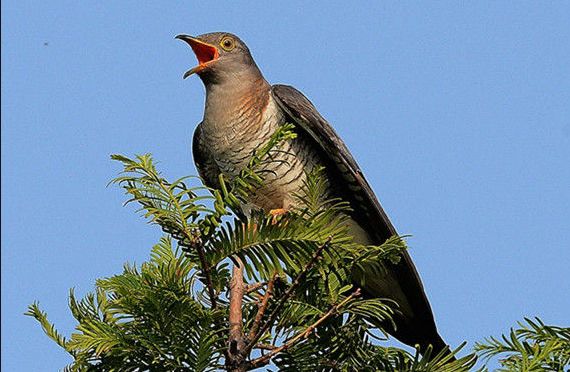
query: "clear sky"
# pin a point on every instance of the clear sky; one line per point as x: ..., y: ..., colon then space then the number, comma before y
x: 459, y: 114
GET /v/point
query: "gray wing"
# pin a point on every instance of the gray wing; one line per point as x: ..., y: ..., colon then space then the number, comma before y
x: 367, y: 210
x: 306, y: 116
x: 207, y: 169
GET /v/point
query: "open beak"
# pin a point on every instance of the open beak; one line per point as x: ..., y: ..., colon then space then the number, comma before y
x: 205, y: 53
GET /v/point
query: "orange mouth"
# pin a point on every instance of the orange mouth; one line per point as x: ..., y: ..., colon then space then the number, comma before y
x: 205, y: 53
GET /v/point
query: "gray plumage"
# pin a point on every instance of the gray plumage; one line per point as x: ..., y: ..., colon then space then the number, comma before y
x: 242, y: 111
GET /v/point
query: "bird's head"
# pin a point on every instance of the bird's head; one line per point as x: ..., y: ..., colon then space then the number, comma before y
x: 220, y: 55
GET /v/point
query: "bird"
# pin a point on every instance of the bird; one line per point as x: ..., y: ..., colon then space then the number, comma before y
x: 242, y: 111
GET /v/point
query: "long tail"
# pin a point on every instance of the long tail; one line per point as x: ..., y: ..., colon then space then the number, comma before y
x: 438, y: 346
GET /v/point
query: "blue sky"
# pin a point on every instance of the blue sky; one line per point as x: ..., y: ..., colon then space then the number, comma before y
x: 458, y: 113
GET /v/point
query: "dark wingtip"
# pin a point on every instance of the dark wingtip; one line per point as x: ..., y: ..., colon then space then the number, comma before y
x: 437, y: 346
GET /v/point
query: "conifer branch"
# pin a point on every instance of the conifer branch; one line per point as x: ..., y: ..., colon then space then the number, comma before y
x: 265, y: 347
x: 269, y: 323
x: 206, y: 270
x: 181, y: 331
x: 262, y: 307
x: 265, y: 359
x: 254, y: 287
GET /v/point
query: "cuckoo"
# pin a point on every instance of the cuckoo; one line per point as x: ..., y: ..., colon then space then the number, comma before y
x: 242, y: 111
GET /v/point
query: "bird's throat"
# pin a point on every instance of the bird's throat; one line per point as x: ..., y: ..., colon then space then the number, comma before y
x: 235, y: 107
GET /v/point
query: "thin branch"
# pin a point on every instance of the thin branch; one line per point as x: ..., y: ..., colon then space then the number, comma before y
x: 253, y: 287
x: 265, y: 359
x: 195, y: 240
x: 286, y: 296
x: 197, y: 244
x: 265, y: 347
x: 262, y: 308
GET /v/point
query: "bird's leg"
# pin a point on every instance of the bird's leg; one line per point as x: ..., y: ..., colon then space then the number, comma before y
x: 275, y: 213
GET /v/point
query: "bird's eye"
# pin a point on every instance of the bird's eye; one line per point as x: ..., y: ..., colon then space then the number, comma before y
x: 227, y: 43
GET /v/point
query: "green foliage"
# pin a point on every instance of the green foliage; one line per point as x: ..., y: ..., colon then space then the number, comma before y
x: 142, y: 319
x: 533, y: 346
x: 301, y: 310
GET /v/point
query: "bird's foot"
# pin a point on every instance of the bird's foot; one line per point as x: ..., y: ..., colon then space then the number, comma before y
x: 275, y: 213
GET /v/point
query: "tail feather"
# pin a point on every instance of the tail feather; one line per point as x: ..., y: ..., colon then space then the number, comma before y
x: 438, y: 346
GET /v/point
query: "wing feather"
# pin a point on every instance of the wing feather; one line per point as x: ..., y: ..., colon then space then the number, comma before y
x: 305, y: 115
x: 368, y: 211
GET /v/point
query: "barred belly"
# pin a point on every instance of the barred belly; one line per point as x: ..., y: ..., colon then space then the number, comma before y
x: 231, y: 148
x: 284, y: 175
x: 230, y: 141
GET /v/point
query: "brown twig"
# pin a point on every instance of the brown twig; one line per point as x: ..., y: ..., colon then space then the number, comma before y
x: 286, y: 296
x: 197, y: 244
x: 235, y: 356
x: 253, y: 287
x: 265, y: 347
x: 262, y: 307
x: 265, y: 359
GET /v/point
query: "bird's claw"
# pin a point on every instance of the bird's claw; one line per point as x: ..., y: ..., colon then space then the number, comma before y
x: 275, y: 213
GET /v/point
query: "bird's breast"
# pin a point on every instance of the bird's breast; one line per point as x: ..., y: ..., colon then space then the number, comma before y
x: 231, y: 140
